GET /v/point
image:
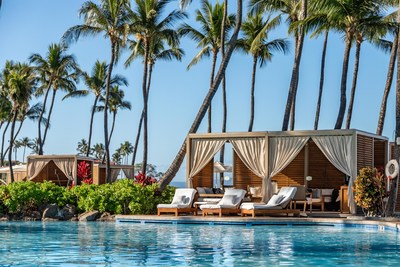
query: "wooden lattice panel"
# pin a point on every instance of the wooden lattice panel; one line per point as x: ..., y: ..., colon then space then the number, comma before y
x: 243, y: 177
x: 365, y: 151
x: 293, y: 174
x: 205, y: 177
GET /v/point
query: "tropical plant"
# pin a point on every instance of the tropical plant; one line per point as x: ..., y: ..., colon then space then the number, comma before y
x: 82, y: 147
x: 58, y: 71
x: 150, y: 28
x: 177, y: 162
x: 110, y: 18
x: 35, y: 146
x: 126, y: 149
x: 117, y: 156
x: 22, y: 83
x: 16, y: 146
x: 25, y: 142
x: 255, y: 42
x: 208, y: 37
x: 84, y: 173
x: 96, y: 83
x: 143, y: 179
x: 98, y: 150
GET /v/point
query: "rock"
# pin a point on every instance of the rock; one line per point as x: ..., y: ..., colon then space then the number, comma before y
x: 67, y: 212
x: 36, y: 215
x: 89, y: 216
x: 74, y: 218
x: 51, y: 211
x: 4, y: 218
x: 50, y: 220
x: 106, y: 217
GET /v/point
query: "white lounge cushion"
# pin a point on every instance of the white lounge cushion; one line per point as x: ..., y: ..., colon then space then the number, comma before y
x: 172, y: 206
x: 231, y: 199
x: 228, y: 200
x: 201, y: 190
x: 183, y: 198
x: 279, y: 201
x: 275, y: 200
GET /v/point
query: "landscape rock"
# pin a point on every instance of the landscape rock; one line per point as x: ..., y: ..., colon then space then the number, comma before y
x: 106, y: 217
x: 4, y: 218
x: 68, y: 212
x: 49, y: 220
x: 89, y: 216
x: 51, y: 211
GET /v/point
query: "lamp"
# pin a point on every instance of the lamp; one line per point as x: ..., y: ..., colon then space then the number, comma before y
x: 309, y: 178
x: 227, y: 178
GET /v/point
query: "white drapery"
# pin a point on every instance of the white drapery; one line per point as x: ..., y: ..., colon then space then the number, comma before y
x: 339, y: 151
x: 282, y: 151
x: 36, y: 166
x: 252, y: 152
x: 202, y: 151
x: 114, y: 174
x: 129, y: 172
x: 68, y: 166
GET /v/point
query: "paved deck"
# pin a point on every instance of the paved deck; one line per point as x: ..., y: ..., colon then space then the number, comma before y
x: 380, y: 224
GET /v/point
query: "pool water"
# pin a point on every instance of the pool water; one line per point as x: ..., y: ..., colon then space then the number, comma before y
x: 129, y: 244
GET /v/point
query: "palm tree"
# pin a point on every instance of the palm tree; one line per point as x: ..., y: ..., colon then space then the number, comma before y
x: 115, y: 102
x: 98, y: 150
x: 157, y: 52
x: 82, y: 147
x: 35, y: 146
x: 126, y: 149
x: 370, y: 25
x: 25, y: 142
x: 117, y: 156
x: 148, y: 25
x: 110, y: 18
x: 208, y: 38
x: 57, y: 70
x: 16, y: 146
x: 96, y: 83
x: 177, y: 162
x: 22, y: 82
x: 255, y: 42
x: 392, y: 48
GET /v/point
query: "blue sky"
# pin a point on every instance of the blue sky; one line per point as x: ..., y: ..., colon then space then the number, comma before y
x: 28, y: 27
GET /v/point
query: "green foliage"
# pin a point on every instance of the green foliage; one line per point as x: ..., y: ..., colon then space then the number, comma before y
x: 369, y: 189
x: 122, y: 197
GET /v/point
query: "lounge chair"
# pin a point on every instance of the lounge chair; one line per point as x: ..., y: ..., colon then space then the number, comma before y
x: 181, y: 203
x: 278, y: 204
x: 229, y: 203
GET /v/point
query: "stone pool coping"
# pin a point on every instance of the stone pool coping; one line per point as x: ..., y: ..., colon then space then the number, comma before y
x: 391, y: 224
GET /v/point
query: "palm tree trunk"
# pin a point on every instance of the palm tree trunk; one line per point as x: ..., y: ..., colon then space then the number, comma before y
x: 11, y: 145
x: 91, y: 125
x: 354, y: 84
x: 23, y: 155
x: 41, y: 117
x: 214, y: 62
x: 177, y: 162
x: 389, y: 81
x: 393, y: 186
x: 253, y: 82
x: 321, y: 81
x: 2, y: 155
x: 144, y: 91
x: 1, y: 124
x: 137, y: 139
x: 112, y: 126
x: 48, y: 120
x: 106, y: 144
x: 16, y: 134
x: 343, y: 85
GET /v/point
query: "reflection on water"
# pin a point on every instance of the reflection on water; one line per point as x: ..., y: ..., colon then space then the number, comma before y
x: 110, y: 244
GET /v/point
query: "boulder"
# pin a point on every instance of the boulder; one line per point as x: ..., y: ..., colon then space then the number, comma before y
x: 107, y: 217
x: 51, y: 211
x: 89, y: 216
x: 4, y: 218
x: 49, y: 220
x: 67, y: 212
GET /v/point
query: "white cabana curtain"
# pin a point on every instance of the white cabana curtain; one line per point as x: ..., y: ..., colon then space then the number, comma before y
x: 282, y: 151
x: 202, y: 151
x: 129, y: 172
x: 252, y: 152
x: 67, y: 166
x: 114, y: 174
x: 339, y: 151
x: 36, y: 166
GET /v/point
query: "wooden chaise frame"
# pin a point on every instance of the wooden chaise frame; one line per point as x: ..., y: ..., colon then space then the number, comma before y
x: 255, y: 212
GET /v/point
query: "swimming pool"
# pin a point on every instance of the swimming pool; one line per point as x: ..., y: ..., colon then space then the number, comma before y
x: 120, y: 244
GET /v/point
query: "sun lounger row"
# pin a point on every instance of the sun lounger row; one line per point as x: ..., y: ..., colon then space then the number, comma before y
x: 231, y: 203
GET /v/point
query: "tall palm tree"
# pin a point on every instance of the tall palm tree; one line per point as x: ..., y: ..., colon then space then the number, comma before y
x: 57, y: 71
x: 96, y: 83
x: 98, y: 150
x: 82, y: 147
x: 208, y: 37
x: 370, y: 25
x: 115, y: 102
x: 177, y: 162
x: 110, y: 18
x: 35, y: 146
x: 159, y: 50
x: 126, y: 149
x: 22, y: 82
x: 148, y: 25
x: 392, y: 48
x: 255, y: 42
x: 117, y: 156
x: 25, y: 142
x: 16, y: 146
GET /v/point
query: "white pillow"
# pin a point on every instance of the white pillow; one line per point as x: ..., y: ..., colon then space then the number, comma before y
x: 180, y: 200
x: 275, y: 200
x: 255, y: 191
x: 228, y: 200
x: 200, y: 190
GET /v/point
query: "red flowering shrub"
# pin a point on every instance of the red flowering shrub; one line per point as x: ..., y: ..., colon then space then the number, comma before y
x: 140, y: 178
x: 84, y: 173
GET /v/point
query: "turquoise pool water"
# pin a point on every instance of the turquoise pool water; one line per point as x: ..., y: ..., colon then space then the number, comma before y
x: 126, y: 244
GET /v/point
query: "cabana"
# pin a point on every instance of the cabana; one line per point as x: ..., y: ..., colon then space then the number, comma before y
x: 331, y: 157
x: 60, y: 169
x: 18, y: 170
x: 99, y: 172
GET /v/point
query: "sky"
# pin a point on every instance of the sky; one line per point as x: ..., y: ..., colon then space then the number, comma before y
x: 28, y: 27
